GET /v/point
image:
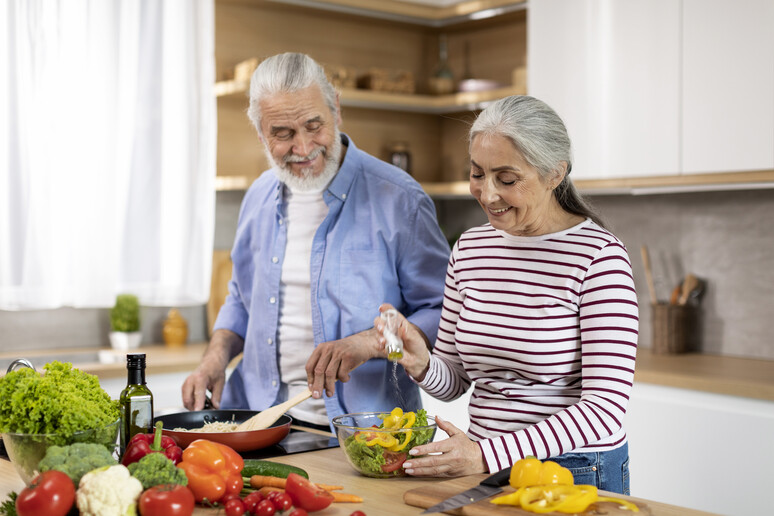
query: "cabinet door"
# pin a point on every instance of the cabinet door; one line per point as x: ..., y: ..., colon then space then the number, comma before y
x: 611, y: 70
x: 728, y: 85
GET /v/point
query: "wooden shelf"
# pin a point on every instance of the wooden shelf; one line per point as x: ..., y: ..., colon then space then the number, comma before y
x: 405, y: 12
x: 429, y: 104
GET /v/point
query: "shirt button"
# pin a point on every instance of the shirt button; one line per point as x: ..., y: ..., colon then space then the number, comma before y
x: 343, y: 196
x: 269, y: 341
x: 280, y: 222
x: 274, y: 259
x: 274, y: 383
x: 272, y: 300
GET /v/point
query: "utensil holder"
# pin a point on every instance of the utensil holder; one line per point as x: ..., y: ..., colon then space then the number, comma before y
x: 675, y: 328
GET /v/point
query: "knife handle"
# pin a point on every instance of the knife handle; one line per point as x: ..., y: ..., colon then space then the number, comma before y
x: 499, y: 479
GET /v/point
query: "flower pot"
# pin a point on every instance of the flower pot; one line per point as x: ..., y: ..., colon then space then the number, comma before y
x: 125, y: 340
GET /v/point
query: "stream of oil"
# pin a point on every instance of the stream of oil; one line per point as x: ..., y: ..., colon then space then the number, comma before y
x: 395, y: 384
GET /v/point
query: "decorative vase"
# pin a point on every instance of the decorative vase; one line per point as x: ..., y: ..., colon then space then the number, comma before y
x: 125, y: 339
x: 175, y: 330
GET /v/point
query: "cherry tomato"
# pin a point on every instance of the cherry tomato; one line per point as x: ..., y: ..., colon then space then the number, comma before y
x: 282, y: 502
x: 265, y: 508
x: 306, y: 495
x: 51, y: 493
x: 252, y: 500
x: 394, y: 461
x: 167, y: 500
x: 358, y: 513
x: 298, y: 512
x: 233, y: 507
x: 272, y: 495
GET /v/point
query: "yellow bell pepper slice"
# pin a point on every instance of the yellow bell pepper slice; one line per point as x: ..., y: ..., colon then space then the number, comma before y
x: 626, y: 505
x: 400, y: 445
x: 393, y: 420
x: 407, y: 420
x: 513, y: 498
x: 383, y: 439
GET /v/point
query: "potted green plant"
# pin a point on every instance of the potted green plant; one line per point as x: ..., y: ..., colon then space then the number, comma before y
x: 125, y: 322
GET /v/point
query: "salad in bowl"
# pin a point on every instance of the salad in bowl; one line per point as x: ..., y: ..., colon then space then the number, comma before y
x: 377, y: 444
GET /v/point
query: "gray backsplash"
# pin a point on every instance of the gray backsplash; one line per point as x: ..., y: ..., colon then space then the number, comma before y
x: 726, y: 238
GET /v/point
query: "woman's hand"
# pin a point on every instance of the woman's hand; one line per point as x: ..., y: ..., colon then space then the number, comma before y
x: 459, y: 455
x: 416, y: 356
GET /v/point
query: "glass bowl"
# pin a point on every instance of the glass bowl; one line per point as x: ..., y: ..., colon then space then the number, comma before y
x: 378, y: 452
x: 26, y: 450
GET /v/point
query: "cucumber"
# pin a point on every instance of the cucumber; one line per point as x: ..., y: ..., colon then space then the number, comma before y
x: 270, y: 469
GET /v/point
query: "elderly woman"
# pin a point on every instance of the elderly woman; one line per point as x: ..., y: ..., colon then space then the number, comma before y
x: 539, y: 312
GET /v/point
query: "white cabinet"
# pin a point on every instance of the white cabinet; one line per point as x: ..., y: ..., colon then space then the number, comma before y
x: 659, y: 87
x: 700, y: 450
x: 728, y: 85
x: 611, y: 70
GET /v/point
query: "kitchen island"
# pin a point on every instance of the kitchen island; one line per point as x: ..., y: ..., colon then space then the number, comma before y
x: 380, y: 496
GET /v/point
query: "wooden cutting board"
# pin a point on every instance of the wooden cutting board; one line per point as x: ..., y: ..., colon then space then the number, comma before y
x: 427, y: 496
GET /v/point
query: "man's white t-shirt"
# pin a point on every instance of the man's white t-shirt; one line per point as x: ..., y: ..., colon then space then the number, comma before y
x: 305, y: 212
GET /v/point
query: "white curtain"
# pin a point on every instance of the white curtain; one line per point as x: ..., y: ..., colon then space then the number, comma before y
x: 107, y: 152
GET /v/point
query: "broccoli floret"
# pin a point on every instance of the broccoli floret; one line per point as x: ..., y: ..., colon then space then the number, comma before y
x: 155, y: 469
x: 75, y: 460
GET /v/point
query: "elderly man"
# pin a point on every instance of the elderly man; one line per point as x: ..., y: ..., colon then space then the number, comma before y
x: 324, y: 237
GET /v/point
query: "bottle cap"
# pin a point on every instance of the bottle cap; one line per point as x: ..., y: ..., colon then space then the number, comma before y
x: 135, y: 360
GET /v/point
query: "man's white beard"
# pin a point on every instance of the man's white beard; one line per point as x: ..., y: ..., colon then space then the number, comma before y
x: 307, y: 181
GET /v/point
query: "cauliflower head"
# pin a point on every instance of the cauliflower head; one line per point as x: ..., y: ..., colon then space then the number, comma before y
x: 108, y: 491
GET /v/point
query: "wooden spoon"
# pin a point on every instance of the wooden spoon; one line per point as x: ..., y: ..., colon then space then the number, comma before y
x: 648, y: 275
x: 266, y: 418
x: 690, y: 283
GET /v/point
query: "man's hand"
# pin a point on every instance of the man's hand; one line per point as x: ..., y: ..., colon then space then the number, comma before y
x: 453, y: 457
x: 334, y: 360
x: 211, y: 373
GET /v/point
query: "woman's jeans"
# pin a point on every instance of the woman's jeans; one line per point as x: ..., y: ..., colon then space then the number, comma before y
x: 607, y: 470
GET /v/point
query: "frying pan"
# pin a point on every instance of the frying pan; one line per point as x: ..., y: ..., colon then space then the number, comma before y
x: 238, y: 441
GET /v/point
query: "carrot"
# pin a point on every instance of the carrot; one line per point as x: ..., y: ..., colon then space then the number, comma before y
x: 345, y: 497
x: 258, y: 481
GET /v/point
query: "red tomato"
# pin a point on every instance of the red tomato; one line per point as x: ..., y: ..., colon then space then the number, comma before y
x: 394, y: 461
x: 233, y: 507
x: 306, y: 495
x: 252, y: 500
x: 282, y: 502
x: 265, y: 508
x: 229, y: 496
x: 51, y: 493
x: 298, y: 512
x: 167, y: 500
x: 358, y: 513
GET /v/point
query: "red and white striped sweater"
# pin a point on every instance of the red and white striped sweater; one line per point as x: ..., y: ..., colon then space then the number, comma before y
x: 546, y: 327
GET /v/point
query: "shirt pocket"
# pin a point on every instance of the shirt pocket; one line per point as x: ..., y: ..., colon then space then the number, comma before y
x: 367, y: 277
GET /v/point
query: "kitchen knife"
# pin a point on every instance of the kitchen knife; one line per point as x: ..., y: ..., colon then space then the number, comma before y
x: 491, y: 485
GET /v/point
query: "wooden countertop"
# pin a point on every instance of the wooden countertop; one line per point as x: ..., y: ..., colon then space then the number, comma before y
x: 733, y: 376
x: 381, y: 496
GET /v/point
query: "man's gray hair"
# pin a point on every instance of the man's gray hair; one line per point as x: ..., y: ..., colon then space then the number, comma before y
x: 540, y: 135
x: 286, y: 73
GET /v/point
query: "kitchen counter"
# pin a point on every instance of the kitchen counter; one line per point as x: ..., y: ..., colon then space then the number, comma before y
x: 733, y: 376
x: 381, y: 496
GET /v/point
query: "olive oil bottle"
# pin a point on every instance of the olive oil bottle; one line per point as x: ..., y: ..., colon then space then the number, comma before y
x: 136, y: 401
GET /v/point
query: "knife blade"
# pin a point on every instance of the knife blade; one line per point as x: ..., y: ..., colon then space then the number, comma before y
x: 491, y: 485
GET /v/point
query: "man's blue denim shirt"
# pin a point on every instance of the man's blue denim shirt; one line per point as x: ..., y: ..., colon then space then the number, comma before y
x: 380, y: 242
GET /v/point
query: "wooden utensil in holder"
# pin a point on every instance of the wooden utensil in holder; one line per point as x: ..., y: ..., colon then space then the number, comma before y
x: 675, y: 328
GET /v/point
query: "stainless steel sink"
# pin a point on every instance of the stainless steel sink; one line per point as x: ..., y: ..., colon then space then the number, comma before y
x: 98, y: 356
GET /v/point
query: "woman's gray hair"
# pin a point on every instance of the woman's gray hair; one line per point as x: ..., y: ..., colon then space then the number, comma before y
x: 540, y: 135
x: 286, y: 73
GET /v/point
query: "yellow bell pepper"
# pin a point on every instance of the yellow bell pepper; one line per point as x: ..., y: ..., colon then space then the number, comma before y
x: 400, y: 445
x: 532, y: 472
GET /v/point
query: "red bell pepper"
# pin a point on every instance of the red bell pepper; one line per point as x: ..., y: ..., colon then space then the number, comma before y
x: 214, y: 470
x: 142, y: 444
